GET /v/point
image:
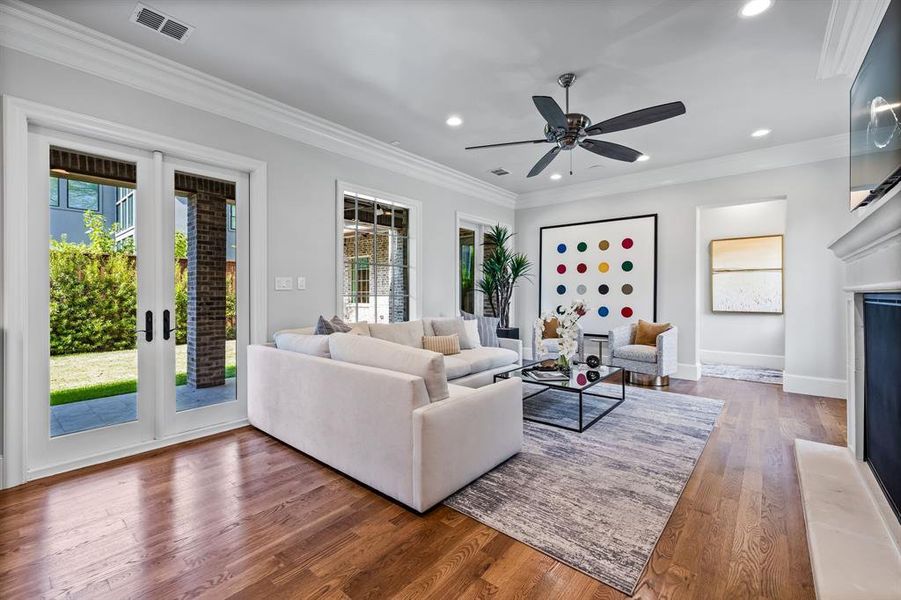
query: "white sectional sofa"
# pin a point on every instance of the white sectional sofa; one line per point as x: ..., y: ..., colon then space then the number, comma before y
x: 384, y: 413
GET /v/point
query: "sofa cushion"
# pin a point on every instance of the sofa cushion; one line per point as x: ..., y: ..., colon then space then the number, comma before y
x: 314, y: 345
x: 638, y: 352
x: 453, y: 326
x: 444, y: 344
x: 361, y: 328
x: 382, y: 354
x: 484, y: 359
x: 406, y: 333
x: 456, y: 367
x: 472, y: 332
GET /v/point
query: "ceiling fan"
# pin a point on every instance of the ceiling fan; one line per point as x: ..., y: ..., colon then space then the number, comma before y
x: 568, y: 130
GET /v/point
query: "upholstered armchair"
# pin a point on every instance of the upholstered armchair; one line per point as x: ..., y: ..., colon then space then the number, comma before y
x: 646, y: 365
x: 550, y: 347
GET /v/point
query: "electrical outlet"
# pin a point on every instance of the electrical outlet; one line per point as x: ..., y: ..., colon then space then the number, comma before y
x: 283, y: 283
x: 301, y: 283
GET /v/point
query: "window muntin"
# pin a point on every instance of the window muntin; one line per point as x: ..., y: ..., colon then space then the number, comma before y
x: 231, y: 216
x: 125, y: 209
x: 54, y: 191
x: 83, y: 195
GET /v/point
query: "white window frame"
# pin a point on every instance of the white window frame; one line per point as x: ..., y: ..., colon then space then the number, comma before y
x: 413, y: 236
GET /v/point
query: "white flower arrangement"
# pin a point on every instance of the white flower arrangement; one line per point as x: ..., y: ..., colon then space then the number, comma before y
x: 567, y: 329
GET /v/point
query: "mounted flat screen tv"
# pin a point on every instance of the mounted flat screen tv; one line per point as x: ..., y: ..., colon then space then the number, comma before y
x: 876, y: 114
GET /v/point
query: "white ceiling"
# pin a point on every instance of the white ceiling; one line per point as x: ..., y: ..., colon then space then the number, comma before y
x: 396, y: 70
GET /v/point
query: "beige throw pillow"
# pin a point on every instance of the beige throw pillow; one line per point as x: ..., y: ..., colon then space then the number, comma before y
x: 445, y: 344
x: 646, y: 333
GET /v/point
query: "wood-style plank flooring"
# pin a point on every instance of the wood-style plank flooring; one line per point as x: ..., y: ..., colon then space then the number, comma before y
x: 241, y: 514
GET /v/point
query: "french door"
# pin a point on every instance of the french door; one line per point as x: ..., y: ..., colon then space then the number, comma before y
x: 137, y: 299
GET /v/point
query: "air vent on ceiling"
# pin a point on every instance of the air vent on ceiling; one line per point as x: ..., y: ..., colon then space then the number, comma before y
x: 161, y: 23
x: 500, y: 171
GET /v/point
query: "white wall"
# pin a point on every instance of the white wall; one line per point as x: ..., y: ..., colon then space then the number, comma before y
x: 816, y: 211
x: 751, y: 339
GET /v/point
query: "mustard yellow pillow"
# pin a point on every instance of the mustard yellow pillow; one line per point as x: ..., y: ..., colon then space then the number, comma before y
x: 445, y: 344
x: 550, y: 329
x: 646, y: 333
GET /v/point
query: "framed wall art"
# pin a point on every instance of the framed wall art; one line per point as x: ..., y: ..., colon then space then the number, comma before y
x: 746, y: 275
x: 611, y: 264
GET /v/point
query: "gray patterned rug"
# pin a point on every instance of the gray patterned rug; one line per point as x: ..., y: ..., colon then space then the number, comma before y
x: 597, y: 501
x: 742, y: 373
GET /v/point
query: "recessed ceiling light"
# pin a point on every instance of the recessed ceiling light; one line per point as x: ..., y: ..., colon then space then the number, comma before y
x: 761, y: 133
x: 454, y: 121
x: 556, y: 176
x: 752, y: 8
x: 643, y: 158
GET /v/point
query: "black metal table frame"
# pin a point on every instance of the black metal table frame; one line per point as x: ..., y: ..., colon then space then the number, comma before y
x: 582, y: 392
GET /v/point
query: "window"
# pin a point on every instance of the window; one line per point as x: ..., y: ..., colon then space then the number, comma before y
x: 83, y: 195
x: 54, y: 191
x: 378, y: 269
x: 125, y: 209
x: 231, y: 216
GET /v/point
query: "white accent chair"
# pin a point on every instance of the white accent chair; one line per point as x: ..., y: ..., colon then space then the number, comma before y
x: 646, y: 365
x: 550, y: 347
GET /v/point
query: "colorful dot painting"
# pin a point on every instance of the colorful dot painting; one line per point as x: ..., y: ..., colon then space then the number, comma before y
x: 562, y: 269
x: 627, y: 266
x: 603, y: 311
x: 626, y: 312
x: 581, y: 290
x: 561, y: 289
x: 582, y: 247
x: 603, y: 289
x: 603, y: 267
x: 582, y: 268
x: 561, y: 248
x: 627, y: 289
x: 603, y: 245
x: 628, y: 243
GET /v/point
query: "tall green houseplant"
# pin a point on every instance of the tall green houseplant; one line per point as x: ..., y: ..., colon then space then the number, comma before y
x: 501, y: 270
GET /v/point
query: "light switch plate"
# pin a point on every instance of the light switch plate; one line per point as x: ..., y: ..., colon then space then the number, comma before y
x: 301, y: 283
x: 283, y: 283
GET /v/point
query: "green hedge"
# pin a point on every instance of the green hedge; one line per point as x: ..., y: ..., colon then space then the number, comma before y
x: 93, y: 292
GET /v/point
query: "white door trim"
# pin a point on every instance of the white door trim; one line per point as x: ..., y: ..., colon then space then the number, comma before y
x: 18, y: 114
x: 461, y: 218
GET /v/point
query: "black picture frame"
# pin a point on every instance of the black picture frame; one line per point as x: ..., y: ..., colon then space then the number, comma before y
x: 594, y: 222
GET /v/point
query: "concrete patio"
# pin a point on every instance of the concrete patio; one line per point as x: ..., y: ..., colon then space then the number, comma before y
x: 103, y: 412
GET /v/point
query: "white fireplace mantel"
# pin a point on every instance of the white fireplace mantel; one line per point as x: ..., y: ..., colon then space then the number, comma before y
x: 878, y: 230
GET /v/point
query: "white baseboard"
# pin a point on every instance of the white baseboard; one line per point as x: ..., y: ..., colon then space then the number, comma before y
x: 691, y: 372
x: 815, y: 386
x: 743, y: 359
x: 131, y: 450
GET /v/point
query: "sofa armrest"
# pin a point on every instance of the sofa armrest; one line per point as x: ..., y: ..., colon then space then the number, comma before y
x: 457, y: 440
x: 509, y: 344
x: 668, y: 352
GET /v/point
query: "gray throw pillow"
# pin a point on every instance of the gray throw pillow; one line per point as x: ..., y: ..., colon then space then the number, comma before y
x: 324, y: 327
x: 487, y: 328
x: 340, y: 326
x: 452, y: 326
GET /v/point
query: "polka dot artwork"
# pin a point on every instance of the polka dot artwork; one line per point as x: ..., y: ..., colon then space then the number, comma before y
x: 610, y: 264
x: 560, y: 309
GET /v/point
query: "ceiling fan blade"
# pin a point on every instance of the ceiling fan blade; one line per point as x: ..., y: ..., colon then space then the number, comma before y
x: 551, y: 111
x: 637, y: 118
x: 544, y: 161
x: 611, y: 150
x: 506, y: 144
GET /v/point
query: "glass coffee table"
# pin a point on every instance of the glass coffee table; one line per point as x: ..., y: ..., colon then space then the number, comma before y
x: 577, y: 387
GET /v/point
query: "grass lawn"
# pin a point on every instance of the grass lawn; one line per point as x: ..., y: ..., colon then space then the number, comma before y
x: 78, y: 377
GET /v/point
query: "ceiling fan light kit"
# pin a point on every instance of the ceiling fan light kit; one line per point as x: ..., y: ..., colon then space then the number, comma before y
x: 568, y: 130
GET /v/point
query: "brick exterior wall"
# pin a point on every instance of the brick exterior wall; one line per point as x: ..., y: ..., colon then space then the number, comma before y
x: 391, y: 281
x: 206, y: 290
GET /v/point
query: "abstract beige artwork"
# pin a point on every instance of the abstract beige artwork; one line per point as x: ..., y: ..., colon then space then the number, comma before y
x: 746, y: 274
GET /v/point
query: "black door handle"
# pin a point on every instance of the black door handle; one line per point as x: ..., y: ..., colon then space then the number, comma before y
x: 148, y: 326
x: 167, y: 331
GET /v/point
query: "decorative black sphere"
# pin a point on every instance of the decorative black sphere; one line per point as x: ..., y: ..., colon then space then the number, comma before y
x: 593, y: 361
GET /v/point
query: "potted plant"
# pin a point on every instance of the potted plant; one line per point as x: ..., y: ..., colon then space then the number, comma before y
x: 501, y: 270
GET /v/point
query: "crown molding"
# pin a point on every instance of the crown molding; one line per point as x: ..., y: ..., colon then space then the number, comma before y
x: 34, y: 31
x: 763, y: 159
x: 849, y: 33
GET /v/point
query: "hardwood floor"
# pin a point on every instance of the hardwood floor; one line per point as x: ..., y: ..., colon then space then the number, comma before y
x: 241, y: 514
